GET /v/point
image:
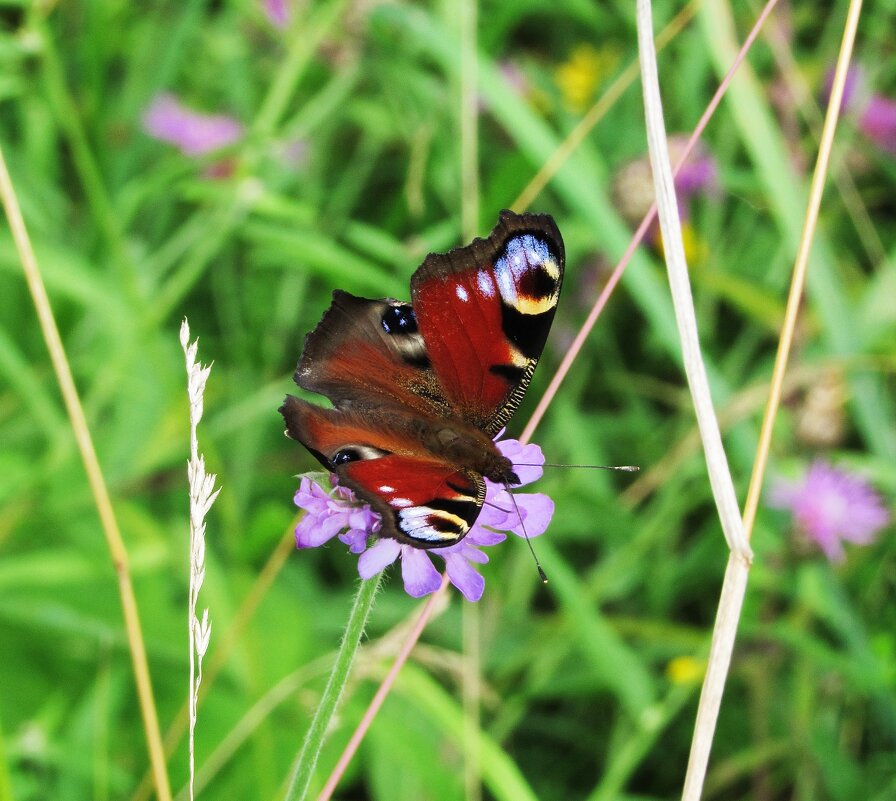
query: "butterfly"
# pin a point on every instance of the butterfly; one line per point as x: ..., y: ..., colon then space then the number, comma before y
x: 420, y: 389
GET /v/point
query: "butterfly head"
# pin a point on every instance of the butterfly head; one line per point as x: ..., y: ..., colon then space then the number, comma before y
x: 501, y: 471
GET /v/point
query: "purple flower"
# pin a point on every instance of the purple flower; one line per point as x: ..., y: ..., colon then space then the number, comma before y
x: 195, y: 134
x: 855, y: 88
x: 278, y: 12
x: 830, y: 506
x: 338, y: 513
x: 876, y: 114
x: 699, y: 175
x: 878, y: 123
x: 633, y: 182
x: 329, y: 514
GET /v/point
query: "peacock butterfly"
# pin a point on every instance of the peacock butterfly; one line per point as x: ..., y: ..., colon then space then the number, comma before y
x: 420, y: 389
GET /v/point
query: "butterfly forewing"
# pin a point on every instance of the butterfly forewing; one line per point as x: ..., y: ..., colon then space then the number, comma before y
x: 368, y: 352
x: 484, y: 312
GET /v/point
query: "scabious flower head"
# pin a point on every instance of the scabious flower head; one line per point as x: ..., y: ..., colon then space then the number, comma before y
x: 633, y: 183
x: 831, y: 506
x: 192, y: 132
x: 338, y: 513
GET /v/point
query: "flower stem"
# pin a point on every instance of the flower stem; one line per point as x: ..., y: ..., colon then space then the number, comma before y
x: 314, y: 740
x: 410, y: 641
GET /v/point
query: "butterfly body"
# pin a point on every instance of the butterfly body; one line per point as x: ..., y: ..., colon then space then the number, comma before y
x: 420, y: 389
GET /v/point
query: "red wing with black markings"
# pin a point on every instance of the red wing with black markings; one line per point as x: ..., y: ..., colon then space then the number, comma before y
x: 423, y: 501
x: 420, y: 389
x: 484, y: 312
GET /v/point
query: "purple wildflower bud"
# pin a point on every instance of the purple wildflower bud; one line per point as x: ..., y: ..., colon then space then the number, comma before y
x: 195, y: 134
x: 830, y: 506
x: 328, y: 514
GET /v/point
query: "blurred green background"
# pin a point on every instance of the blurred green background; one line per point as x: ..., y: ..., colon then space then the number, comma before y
x: 340, y: 168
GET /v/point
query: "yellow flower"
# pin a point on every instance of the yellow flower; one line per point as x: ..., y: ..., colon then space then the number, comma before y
x: 696, y: 249
x: 579, y: 77
x: 686, y: 670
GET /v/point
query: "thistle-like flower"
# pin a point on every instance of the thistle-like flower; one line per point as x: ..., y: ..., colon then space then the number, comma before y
x: 338, y: 513
x: 830, y: 507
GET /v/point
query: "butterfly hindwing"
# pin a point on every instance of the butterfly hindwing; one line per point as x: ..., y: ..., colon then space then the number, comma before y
x: 425, y: 503
x: 423, y: 500
x: 484, y: 312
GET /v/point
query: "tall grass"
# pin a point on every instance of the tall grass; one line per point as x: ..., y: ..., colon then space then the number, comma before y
x: 359, y: 158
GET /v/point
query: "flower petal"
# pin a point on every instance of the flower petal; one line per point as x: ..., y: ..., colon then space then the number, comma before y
x: 482, y: 536
x: 536, y: 509
x: 522, y: 456
x: 311, y: 497
x: 498, y: 510
x: 314, y: 530
x: 418, y: 572
x: 375, y: 559
x: 464, y: 577
x: 356, y: 539
x: 474, y: 555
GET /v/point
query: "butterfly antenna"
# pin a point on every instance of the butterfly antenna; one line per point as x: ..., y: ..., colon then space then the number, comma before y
x: 541, y: 574
x: 625, y: 468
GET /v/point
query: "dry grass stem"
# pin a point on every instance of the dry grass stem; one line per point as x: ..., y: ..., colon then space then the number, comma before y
x: 682, y: 299
x: 734, y: 585
x: 579, y: 341
x: 102, y: 501
x: 735, y: 582
x: 596, y: 113
x: 798, y: 281
x: 202, y: 496
x: 807, y: 105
